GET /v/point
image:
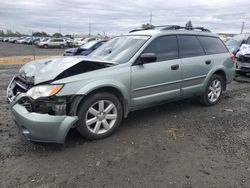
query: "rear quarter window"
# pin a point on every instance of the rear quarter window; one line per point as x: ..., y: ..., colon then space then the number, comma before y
x: 212, y: 45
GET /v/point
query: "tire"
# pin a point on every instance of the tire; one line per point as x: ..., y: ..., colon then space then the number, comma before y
x: 213, y: 93
x: 98, y: 128
x: 45, y: 46
x: 61, y: 46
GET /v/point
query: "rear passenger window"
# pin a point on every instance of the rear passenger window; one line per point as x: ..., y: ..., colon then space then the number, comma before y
x: 190, y: 46
x: 164, y: 47
x: 212, y: 45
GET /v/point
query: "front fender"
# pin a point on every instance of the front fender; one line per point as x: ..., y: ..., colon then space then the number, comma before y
x: 99, y: 84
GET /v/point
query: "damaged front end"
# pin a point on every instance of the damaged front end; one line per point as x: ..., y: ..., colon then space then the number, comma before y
x: 40, y: 114
x: 45, y: 119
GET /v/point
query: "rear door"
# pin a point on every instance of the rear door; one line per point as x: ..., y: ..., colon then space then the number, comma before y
x: 160, y: 80
x: 195, y: 64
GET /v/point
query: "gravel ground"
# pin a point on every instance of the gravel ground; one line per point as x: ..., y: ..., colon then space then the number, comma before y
x: 181, y: 144
x: 11, y: 49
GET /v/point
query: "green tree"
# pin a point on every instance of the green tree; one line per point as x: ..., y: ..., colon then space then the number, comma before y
x: 1, y: 33
x: 39, y: 34
x: 57, y: 35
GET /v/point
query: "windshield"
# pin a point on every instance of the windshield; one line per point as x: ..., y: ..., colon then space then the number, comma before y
x: 120, y: 49
x: 88, y: 45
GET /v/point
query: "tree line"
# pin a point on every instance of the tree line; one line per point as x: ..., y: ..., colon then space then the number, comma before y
x: 9, y: 33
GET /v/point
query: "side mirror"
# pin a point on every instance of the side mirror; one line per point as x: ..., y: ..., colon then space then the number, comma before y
x: 146, y: 58
x: 243, y: 42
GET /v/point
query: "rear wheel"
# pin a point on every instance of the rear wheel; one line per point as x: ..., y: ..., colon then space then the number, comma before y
x: 99, y: 116
x: 45, y: 46
x: 213, y: 91
x: 61, y: 46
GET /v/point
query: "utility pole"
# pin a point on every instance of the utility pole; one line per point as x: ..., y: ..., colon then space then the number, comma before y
x: 242, y: 27
x: 150, y: 17
x: 89, y: 28
x: 60, y: 29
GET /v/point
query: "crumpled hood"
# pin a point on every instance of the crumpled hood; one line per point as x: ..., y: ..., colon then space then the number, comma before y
x: 48, y: 69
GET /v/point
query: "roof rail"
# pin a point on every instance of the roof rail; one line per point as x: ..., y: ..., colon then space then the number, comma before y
x: 177, y: 27
x: 171, y: 27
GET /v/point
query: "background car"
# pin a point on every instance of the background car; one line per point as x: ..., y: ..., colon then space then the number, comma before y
x: 53, y: 43
x: 83, y: 41
x: 5, y: 39
x: 85, y: 49
x: 21, y: 40
x: 13, y: 39
x: 235, y: 42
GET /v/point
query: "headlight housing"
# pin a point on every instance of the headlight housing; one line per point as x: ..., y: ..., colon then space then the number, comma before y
x: 43, y: 91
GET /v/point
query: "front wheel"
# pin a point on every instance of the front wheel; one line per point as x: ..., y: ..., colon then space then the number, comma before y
x: 99, y: 116
x: 213, y: 91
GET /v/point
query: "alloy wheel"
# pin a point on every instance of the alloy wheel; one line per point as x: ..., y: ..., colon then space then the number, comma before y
x: 101, y: 116
x: 214, y: 90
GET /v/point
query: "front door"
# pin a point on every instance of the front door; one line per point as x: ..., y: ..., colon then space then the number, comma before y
x: 160, y: 80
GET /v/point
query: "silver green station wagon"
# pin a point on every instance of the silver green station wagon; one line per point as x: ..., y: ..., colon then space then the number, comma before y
x: 93, y: 94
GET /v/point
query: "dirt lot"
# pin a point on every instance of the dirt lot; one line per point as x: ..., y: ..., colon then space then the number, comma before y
x: 181, y: 144
x: 10, y: 49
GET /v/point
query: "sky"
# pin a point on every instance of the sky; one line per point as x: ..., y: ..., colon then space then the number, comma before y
x: 117, y: 17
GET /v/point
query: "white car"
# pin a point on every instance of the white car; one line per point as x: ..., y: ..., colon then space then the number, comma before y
x: 83, y: 41
x: 53, y: 43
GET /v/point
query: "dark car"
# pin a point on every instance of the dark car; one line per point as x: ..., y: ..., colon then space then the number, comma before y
x: 234, y: 43
x: 85, y: 49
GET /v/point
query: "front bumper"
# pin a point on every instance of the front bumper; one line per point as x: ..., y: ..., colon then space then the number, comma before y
x: 242, y: 67
x: 42, y: 127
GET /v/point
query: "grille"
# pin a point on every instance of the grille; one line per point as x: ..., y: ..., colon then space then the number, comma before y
x: 20, y: 86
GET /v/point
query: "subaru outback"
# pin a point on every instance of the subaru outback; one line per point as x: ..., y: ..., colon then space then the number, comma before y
x: 93, y: 94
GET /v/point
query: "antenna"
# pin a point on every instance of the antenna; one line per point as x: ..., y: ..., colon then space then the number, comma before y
x: 150, y: 17
x: 89, y: 28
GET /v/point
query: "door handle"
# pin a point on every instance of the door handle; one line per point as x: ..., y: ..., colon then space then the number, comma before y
x: 208, y: 62
x: 175, y: 67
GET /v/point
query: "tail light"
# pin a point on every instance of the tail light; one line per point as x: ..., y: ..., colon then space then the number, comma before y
x: 232, y: 57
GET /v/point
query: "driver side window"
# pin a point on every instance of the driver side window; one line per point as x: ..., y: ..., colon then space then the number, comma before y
x: 165, y: 48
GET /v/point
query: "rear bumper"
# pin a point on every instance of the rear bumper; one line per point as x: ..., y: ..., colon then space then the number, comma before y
x: 42, y: 127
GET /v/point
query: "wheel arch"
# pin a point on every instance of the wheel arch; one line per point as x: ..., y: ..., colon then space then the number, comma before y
x: 110, y: 89
x: 223, y: 76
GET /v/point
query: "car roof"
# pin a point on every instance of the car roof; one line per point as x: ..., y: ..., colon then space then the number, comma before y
x: 153, y: 32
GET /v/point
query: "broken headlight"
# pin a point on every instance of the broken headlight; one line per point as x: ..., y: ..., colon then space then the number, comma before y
x: 43, y: 91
